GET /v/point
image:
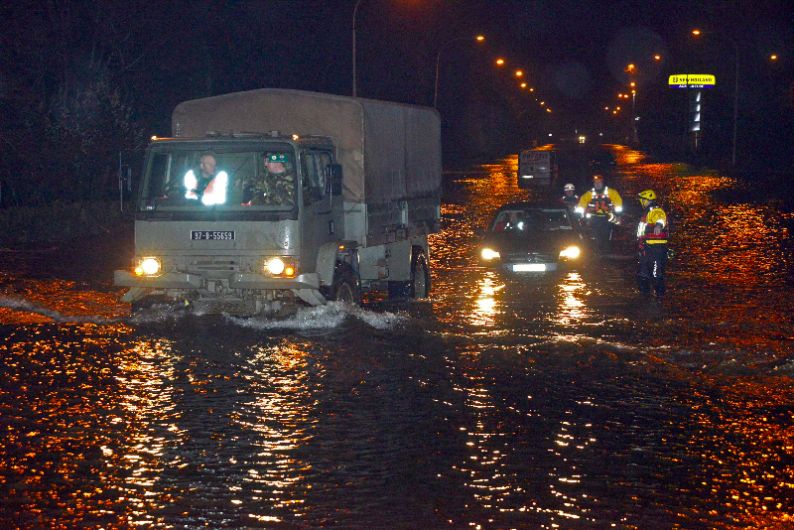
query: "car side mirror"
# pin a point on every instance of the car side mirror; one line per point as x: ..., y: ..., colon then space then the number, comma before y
x: 334, y: 176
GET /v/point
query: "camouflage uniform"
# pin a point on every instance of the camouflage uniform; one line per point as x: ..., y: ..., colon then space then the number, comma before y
x: 273, y: 189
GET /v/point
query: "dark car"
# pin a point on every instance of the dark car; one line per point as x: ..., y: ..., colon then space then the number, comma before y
x: 526, y: 238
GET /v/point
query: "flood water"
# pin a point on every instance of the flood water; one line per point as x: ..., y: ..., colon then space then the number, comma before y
x: 557, y: 401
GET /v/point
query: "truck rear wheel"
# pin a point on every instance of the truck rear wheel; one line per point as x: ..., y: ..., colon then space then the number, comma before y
x: 345, y: 287
x: 420, y: 276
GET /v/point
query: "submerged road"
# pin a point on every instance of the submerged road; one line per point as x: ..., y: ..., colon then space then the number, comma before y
x: 560, y: 401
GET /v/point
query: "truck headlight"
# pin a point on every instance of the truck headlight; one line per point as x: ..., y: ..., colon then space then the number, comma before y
x: 148, y: 266
x: 489, y: 254
x: 571, y: 252
x: 278, y: 266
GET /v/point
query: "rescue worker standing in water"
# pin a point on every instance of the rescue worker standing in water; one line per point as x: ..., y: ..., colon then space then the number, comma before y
x: 569, y: 197
x: 652, y: 232
x: 600, y: 207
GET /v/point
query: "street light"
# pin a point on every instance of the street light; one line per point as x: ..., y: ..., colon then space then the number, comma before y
x: 697, y: 33
x: 478, y: 38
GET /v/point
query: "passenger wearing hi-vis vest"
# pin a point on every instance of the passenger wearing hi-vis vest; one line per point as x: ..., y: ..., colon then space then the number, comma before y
x: 600, y: 207
x: 209, y: 186
x: 652, y: 233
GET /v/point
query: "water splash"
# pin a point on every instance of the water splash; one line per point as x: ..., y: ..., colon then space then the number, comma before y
x: 17, y: 304
x: 329, y: 316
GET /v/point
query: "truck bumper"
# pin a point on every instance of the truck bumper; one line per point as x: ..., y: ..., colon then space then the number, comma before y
x: 240, y: 280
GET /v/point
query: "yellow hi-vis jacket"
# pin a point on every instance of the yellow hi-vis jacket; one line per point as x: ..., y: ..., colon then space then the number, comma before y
x: 605, y: 202
x: 654, y: 217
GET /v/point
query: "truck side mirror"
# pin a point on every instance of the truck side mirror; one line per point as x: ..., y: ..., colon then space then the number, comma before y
x: 334, y: 175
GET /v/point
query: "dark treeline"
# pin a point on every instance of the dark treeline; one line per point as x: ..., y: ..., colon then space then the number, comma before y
x: 82, y: 81
x: 66, y: 100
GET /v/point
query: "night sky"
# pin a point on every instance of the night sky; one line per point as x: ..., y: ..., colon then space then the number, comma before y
x: 142, y: 58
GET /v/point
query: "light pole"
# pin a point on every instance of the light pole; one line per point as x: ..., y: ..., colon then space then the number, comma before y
x: 355, y: 11
x: 735, y: 101
x: 478, y: 38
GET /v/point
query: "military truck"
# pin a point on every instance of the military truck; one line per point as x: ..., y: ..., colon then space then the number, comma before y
x: 314, y: 197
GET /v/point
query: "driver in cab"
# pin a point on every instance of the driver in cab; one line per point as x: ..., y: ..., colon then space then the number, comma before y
x: 210, y: 185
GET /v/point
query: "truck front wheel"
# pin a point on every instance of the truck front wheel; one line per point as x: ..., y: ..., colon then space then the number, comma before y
x: 345, y: 287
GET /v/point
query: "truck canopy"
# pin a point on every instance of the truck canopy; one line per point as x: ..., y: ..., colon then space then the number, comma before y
x: 388, y: 151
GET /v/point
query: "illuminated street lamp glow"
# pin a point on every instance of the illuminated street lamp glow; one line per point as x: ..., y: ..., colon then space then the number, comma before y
x: 773, y: 57
x: 531, y: 89
x: 500, y: 62
x: 523, y: 85
x: 630, y: 67
x: 657, y: 57
x: 696, y: 32
x: 480, y: 38
x: 519, y: 73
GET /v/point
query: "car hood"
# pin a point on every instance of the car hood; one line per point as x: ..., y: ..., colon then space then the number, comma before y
x: 546, y: 242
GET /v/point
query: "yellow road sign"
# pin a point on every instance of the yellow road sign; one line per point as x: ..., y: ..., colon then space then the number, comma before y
x: 692, y: 81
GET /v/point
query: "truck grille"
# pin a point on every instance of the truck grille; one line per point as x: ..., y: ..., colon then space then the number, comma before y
x: 215, y: 264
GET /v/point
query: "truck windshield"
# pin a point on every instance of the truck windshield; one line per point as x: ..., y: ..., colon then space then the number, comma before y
x: 179, y: 178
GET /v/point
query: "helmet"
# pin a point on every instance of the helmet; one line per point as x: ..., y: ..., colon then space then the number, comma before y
x: 598, y: 177
x: 648, y: 195
x: 569, y: 187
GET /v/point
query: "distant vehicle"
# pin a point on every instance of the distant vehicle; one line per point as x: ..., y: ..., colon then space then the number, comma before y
x: 601, y: 160
x: 537, y: 167
x: 526, y: 238
x: 317, y: 197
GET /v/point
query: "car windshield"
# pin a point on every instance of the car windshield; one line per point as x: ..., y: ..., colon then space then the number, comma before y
x: 179, y: 178
x: 522, y: 221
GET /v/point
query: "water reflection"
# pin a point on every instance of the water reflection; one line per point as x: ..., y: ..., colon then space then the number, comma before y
x: 278, y: 416
x: 572, y: 308
x: 486, y: 307
x: 148, y: 398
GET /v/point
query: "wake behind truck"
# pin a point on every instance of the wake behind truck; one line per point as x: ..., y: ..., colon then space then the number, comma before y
x: 314, y: 197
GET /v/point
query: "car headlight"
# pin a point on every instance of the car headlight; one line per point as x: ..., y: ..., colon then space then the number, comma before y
x: 489, y: 254
x: 571, y: 252
x: 278, y: 266
x: 148, y: 266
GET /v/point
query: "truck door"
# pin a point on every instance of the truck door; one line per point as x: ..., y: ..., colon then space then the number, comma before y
x: 321, y: 211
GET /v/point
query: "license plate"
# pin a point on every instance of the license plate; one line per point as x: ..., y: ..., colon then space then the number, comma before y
x: 529, y: 267
x: 212, y: 235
